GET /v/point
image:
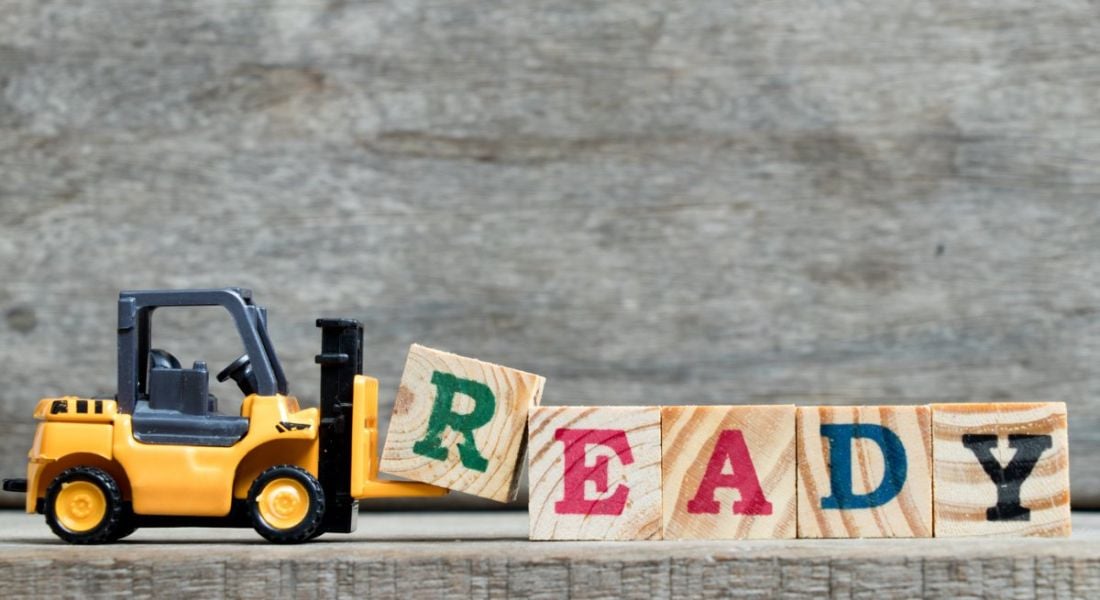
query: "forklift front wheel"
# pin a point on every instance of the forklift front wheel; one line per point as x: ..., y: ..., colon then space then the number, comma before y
x: 287, y: 504
x: 84, y: 506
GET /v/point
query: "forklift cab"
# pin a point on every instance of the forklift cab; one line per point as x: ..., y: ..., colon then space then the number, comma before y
x: 170, y: 404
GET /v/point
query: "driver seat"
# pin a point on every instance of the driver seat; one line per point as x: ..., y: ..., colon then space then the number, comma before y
x: 178, y: 408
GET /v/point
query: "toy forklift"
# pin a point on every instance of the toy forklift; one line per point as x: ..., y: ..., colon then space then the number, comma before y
x: 161, y: 455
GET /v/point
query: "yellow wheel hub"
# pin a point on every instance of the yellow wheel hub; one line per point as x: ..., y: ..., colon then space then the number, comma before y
x: 283, y: 503
x: 80, y: 506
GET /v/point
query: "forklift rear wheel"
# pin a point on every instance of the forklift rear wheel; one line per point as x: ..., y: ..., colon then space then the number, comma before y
x: 287, y: 504
x: 84, y: 506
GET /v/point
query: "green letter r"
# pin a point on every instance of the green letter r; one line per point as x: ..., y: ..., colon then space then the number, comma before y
x: 444, y: 416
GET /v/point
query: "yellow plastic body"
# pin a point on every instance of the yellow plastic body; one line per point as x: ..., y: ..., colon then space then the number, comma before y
x: 168, y: 479
x: 181, y: 480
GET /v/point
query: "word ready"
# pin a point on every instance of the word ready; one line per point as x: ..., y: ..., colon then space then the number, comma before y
x: 730, y: 472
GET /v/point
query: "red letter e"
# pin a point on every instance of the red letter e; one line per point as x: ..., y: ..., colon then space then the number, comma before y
x: 577, y: 471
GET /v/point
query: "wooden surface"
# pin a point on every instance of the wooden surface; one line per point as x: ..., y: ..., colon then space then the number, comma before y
x: 690, y: 453
x: 965, y: 491
x: 907, y: 513
x: 479, y: 429
x: 646, y: 201
x: 403, y: 555
x: 601, y: 480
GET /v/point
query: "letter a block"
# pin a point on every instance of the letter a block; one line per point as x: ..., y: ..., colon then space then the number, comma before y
x: 595, y: 473
x: 459, y: 423
x: 1001, y: 469
x: 728, y: 472
x: 864, y: 472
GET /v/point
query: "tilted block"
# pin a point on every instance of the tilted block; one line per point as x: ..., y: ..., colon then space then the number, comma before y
x: 728, y: 472
x: 1001, y: 469
x: 595, y: 473
x: 459, y: 423
x: 864, y: 472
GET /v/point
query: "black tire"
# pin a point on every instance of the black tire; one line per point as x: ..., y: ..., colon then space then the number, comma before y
x: 128, y: 525
x: 109, y: 525
x: 305, y: 528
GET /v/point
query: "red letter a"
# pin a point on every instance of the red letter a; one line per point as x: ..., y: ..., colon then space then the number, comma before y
x: 731, y: 446
x: 577, y: 471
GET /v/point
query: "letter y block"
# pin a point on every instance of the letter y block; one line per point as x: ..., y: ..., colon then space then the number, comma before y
x: 1001, y: 469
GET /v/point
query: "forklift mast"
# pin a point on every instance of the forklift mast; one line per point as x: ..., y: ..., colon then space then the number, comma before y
x: 341, y: 359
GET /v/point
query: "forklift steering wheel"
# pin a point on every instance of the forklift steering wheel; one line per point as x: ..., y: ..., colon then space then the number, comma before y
x: 240, y: 371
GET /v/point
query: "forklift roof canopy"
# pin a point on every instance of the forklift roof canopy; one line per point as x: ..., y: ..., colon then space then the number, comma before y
x: 135, y: 308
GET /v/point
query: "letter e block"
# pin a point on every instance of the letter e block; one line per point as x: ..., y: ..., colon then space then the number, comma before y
x: 728, y: 472
x: 1001, y: 469
x: 595, y: 473
x: 459, y: 423
x: 864, y: 471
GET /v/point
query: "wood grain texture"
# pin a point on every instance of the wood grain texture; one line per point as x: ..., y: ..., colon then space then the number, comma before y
x: 470, y: 555
x: 908, y: 514
x: 488, y: 465
x: 623, y: 498
x: 963, y: 491
x: 689, y: 436
x: 648, y: 201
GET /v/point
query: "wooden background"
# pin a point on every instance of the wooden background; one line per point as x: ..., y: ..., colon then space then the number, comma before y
x: 646, y: 202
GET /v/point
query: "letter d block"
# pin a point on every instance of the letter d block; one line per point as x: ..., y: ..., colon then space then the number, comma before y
x: 459, y: 423
x: 864, y: 471
x: 595, y: 473
x: 1001, y: 469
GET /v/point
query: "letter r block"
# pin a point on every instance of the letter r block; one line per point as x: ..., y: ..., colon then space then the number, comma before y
x: 864, y: 471
x: 1001, y: 469
x: 728, y: 472
x: 595, y: 473
x: 459, y: 423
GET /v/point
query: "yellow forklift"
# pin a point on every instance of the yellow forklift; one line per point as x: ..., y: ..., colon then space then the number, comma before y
x: 159, y: 454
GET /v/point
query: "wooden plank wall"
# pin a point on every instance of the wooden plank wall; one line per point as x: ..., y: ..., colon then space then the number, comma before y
x: 649, y: 202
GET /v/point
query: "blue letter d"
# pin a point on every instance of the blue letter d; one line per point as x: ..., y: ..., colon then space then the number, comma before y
x: 840, y: 459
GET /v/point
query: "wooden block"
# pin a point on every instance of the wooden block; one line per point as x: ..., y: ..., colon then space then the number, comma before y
x: 595, y: 473
x: 1001, y: 469
x: 459, y: 423
x: 864, y: 472
x: 728, y: 472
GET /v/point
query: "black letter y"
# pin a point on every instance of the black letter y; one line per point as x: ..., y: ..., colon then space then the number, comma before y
x: 1008, y: 479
